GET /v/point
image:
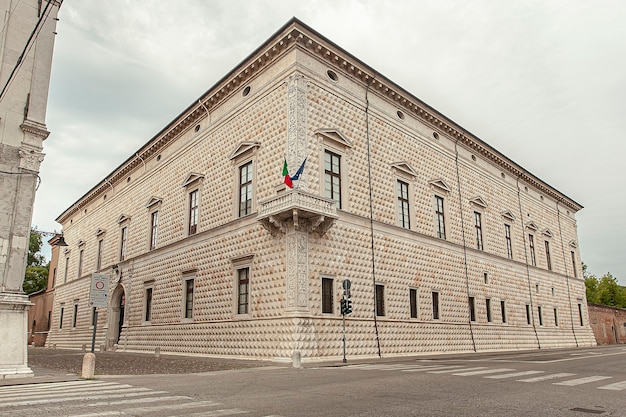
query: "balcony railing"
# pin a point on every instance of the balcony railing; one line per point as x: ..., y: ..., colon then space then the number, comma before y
x: 301, y: 209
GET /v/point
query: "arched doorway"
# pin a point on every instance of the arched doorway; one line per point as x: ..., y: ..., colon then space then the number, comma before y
x: 117, y: 316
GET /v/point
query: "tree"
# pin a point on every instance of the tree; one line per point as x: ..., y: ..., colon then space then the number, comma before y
x: 36, y: 276
x: 610, y: 293
x: 591, y: 285
x: 605, y: 291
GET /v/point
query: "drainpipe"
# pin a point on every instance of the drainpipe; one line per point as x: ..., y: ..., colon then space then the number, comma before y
x: 530, y: 292
x: 569, y: 294
x: 208, y: 115
x: 144, y: 162
x: 369, y: 176
x: 458, y: 183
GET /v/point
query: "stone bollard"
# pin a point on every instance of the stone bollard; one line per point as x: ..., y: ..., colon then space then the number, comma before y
x: 157, y: 352
x: 84, y: 347
x: 89, y: 366
x: 297, y: 359
x: 102, y: 348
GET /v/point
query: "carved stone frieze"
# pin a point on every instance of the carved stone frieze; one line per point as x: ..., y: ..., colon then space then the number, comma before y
x: 297, y: 124
x: 30, y: 159
x: 297, y: 270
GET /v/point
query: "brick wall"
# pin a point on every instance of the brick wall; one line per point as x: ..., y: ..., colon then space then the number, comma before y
x: 608, y: 324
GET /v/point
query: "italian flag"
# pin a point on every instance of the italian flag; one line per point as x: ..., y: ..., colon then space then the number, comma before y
x: 287, y: 179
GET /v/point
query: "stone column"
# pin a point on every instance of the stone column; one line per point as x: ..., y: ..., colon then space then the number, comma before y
x: 297, y: 236
x: 13, y: 335
x: 297, y: 231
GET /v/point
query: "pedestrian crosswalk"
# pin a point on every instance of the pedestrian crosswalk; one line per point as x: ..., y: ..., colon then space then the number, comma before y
x: 561, y: 378
x: 98, y: 398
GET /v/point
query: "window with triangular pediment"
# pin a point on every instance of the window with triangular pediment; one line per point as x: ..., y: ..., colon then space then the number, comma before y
x: 478, y: 201
x: 508, y: 215
x: 244, y: 148
x: 403, y: 168
x: 123, y: 218
x: 154, y: 201
x: 192, y: 178
x: 532, y: 226
x: 439, y: 184
x: 335, y: 136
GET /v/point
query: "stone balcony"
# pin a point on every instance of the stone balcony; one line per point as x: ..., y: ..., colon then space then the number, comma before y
x: 305, y: 211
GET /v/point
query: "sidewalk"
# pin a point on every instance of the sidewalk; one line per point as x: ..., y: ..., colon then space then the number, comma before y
x: 57, y: 365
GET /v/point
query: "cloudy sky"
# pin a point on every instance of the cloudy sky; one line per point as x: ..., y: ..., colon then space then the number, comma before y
x: 542, y: 81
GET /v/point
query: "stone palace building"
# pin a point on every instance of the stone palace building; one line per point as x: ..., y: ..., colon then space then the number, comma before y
x: 26, y: 44
x: 449, y: 245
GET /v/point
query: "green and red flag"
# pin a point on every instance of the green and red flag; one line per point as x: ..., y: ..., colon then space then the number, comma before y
x: 287, y: 179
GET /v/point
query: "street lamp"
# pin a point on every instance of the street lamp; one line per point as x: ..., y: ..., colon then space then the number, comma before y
x: 60, y: 241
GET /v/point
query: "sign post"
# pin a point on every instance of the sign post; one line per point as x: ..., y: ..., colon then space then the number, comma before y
x: 98, y: 294
x: 346, y: 308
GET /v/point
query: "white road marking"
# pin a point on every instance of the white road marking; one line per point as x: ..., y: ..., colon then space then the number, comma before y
x: 484, y: 372
x: 580, y: 381
x: 618, y: 386
x: 431, y: 368
x: 514, y: 374
x: 546, y: 377
x: 455, y: 370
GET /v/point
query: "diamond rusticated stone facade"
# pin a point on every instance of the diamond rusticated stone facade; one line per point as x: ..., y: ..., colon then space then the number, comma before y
x: 300, y: 96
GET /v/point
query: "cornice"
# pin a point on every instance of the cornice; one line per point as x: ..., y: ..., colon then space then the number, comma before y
x: 295, y: 34
x: 35, y: 128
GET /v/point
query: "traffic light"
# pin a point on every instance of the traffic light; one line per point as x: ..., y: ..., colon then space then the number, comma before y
x: 346, y: 306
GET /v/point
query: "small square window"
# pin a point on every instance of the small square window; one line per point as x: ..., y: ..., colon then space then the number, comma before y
x: 327, y: 296
x: 472, y: 308
x: 435, y: 296
x: 243, y: 285
x: 413, y: 303
x: 580, y: 314
x: 75, y: 316
x: 189, y: 295
x: 556, y: 317
x: 147, y: 316
x: 380, y: 300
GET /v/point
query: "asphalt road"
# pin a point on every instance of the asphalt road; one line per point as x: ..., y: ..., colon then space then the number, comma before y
x: 572, y: 383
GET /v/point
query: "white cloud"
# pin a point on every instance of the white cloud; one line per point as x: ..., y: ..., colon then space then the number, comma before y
x: 541, y: 81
